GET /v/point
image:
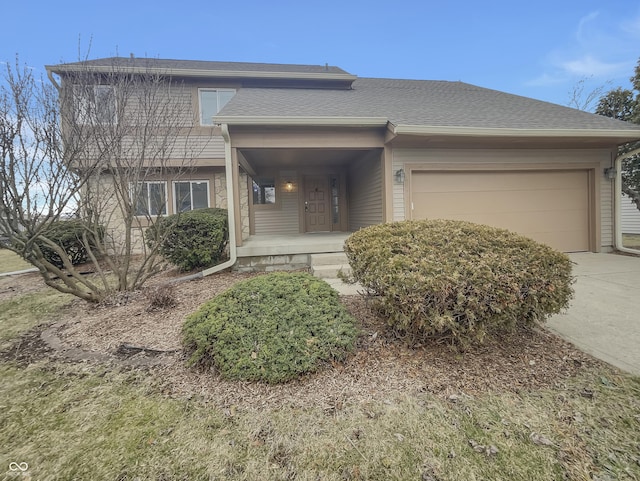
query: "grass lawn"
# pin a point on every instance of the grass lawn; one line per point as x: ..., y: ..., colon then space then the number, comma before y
x: 90, y: 421
x: 632, y: 241
x: 10, y: 262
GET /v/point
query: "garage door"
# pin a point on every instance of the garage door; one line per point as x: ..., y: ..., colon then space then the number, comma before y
x: 548, y: 206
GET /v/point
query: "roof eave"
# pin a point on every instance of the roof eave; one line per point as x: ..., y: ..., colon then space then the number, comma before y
x: 303, y: 121
x: 177, y: 72
x: 426, y: 130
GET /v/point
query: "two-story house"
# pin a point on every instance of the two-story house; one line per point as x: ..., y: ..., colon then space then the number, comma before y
x: 305, y: 154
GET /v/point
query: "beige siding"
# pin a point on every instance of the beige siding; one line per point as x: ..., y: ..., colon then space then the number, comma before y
x: 283, y: 217
x: 365, y: 191
x: 629, y: 216
x: 398, y: 187
x: 198, y: 147
x: 510, y: 158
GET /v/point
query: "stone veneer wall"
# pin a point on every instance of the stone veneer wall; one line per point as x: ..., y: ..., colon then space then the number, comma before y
x: 220, y: 190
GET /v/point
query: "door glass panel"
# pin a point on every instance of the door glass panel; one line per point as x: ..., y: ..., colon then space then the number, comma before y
x: 335, y: 200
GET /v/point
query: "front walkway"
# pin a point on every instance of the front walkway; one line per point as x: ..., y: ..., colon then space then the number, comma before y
x: 604, y: 317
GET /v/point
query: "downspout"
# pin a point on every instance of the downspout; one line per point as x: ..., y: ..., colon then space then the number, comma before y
x: 617, y: 216
x: 617, y: 203
x: 228, y: 167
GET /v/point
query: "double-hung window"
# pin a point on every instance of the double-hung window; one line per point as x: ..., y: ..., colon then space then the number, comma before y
x: 211, y: 102
x: 150, y: 198
x: 191, y: 194
x: 95, y: 104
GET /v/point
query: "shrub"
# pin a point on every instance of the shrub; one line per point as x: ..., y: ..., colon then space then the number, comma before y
x: 68, y: 235
x: 458, y: 279
x: 193, y: 239
x: 270, y: 328
x: 161, y: 297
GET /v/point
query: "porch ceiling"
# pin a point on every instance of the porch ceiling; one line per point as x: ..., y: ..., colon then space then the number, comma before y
x: 263, y: 158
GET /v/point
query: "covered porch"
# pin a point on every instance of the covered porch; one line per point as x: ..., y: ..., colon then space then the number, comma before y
x: 290, y: 252
x: 295, y: 183
x: 280, y: 245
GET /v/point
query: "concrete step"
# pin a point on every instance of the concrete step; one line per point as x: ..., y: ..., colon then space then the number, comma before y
x: 328, y: 259
x: 330, y: 271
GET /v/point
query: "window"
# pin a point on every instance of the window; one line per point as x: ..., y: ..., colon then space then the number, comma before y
x: 191, y: 194
x: 150, y: 198
x: 264, y: 191
x: 211, y: 102
x: 95, y: 104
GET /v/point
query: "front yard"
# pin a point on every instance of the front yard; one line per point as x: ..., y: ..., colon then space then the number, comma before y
x: 632, y: 241
x: 528, y: 406
x: 10, y: 262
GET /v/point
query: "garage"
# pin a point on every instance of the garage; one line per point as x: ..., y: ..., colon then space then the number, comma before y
x: 549, y: 206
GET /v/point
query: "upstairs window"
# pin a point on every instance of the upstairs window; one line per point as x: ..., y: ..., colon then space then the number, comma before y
x: 150, y: 198
x: 94, y: 104
x: 211, y: 102
x: 190, y: 195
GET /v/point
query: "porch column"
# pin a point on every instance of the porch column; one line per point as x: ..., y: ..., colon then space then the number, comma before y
x: 235, y: 176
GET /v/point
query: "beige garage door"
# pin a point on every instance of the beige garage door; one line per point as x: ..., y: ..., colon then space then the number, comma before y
x: 548, y: 206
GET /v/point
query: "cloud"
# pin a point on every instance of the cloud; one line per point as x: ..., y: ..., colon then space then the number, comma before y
x: 631, y: 27
x: 602, y: 46
x: 582, y: 24
x: 587, y: 66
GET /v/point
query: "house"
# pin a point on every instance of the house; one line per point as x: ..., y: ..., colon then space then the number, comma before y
x: 302, y: 155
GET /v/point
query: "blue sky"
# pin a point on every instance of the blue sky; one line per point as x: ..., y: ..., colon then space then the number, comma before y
x: 538, y: 49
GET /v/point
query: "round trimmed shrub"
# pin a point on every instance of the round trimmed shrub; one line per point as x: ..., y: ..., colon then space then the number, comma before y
x: 193, y: 239
x: 68, y: 235
x: 457, y: 279
x: 270, y: 328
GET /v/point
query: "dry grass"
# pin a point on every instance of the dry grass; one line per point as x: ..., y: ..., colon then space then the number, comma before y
x: 20, y: 313
x: 11, y: 262
x: 631, y: 241
x: 57, y: 416
x: 428, y: 413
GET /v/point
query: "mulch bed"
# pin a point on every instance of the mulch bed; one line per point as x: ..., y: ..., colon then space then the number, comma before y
x: 382, y: 368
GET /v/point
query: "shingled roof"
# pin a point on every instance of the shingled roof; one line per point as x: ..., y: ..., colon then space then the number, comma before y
x: 407, y: 104
x: 416, y: 102
x: 203, y: 66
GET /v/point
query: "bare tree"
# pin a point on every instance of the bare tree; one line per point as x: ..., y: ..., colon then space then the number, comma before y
x: 92, y: 144
x: 582, y: 98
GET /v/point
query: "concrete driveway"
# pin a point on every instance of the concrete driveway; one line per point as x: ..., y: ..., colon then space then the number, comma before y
x: 604, y: 317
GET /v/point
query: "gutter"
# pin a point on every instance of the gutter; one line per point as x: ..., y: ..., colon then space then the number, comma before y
x: 233, y: 253
x: 623, y: 135
x: 304, y: 121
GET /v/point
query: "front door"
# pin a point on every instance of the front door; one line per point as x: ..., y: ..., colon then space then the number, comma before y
x: 317, y: 211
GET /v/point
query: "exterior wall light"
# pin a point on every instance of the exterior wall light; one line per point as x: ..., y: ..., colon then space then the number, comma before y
x: 288, y: 186
x: 400, y: 176
x: 610, y: 173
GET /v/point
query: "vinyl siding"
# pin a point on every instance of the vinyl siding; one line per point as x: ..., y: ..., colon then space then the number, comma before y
x: 365, y: 191
x: 629, y: 216
x: 198, y: 147
x: 510, y: 158
x: 282, y: 218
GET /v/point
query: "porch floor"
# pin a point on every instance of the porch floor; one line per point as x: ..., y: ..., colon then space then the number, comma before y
x: 275, y: 245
